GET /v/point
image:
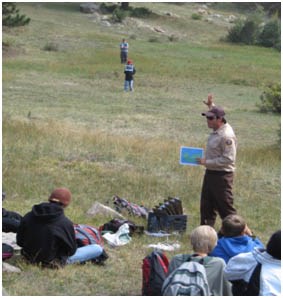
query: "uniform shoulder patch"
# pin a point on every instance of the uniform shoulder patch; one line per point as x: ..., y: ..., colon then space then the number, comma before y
x: 229, y: 142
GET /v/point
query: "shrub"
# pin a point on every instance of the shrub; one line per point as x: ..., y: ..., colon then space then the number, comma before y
x: 271, y: 99
x: 271, y: 34
x: 133, y: 36
x: 140, y: 12
x: 196, y: 16
x: 234, y: 33
x: 51, y: 46
x: 249, y: 32
x: 11, y: 16
x: 153, y: 39
x: 173, y: 38
x: 244, y: 32
x: 107, y: 8
x: 119, y: 15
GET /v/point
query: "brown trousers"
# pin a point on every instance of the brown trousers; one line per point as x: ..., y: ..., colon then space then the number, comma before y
x: 216, y: 196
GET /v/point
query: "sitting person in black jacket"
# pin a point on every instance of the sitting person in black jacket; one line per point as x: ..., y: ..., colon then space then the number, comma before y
x: 10, y: 219
x: 47, y: 236
x: 10, y: 222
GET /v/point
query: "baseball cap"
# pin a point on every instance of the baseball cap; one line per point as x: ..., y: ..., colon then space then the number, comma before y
x: 214, y: 112
x: 61, y: 195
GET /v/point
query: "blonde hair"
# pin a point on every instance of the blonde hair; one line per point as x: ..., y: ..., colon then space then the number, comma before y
x: 203, y: 239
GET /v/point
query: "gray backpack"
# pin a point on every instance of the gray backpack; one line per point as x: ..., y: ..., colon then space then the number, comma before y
x: 187, y: 280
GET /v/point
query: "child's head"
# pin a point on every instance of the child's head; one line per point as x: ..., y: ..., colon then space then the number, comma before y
x: 203, y: 239
x: 233, y: 225
x: 273, y: 246
x: 129, y: 62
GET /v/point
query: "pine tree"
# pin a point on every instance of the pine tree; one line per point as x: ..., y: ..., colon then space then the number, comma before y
x: 11, y: 16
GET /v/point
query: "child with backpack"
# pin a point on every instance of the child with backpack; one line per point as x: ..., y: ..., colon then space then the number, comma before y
x: 206, y: 271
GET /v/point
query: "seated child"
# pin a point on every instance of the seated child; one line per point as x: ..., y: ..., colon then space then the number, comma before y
x: 257, y: 273
x: 237, y: 238
x: 203, y: 240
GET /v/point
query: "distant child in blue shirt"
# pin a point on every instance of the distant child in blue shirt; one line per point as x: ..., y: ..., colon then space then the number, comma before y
x: 124, y: 49
x: 237, y: 238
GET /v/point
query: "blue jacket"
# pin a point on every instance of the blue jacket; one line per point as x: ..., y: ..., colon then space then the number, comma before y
x: 228, y: 247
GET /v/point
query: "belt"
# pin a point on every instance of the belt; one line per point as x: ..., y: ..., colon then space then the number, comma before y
x: 219, y: 173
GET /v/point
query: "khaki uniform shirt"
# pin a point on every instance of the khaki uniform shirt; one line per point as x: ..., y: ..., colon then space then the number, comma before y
x: 221, y: 149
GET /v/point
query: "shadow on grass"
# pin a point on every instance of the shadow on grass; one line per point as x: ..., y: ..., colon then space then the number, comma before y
x: 65, y: 6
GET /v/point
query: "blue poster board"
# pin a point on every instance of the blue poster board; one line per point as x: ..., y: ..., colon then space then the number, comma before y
x: 188, y: 155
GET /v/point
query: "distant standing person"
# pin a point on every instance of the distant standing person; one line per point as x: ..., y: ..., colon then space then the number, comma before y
x: 124, y: 49
x: 129, y: 72
x: 220, y: 157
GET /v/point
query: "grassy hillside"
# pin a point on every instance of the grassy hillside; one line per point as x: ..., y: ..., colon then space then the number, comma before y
x: 67, y: 122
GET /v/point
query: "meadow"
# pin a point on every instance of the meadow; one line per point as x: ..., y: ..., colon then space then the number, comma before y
x: 66, y: 121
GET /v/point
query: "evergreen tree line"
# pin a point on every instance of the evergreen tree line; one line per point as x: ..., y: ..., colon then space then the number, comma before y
x: 11, y: 16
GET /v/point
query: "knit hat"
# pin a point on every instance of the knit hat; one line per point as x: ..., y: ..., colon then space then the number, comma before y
x: 273, y: 246
x: 61, y: 195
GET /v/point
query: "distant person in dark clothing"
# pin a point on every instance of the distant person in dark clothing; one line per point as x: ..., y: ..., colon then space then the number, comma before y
x: 10, y: 219
x: 129, y: 72
x: 47, y: 236
x: 10, y: 223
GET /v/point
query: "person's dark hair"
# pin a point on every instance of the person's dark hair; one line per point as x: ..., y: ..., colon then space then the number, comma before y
x: 273, y: 246
x: 233, y: 225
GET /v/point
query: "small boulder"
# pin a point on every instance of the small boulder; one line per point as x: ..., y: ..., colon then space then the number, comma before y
x: 100, y: 209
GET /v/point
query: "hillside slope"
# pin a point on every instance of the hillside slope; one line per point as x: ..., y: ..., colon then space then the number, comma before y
x: 68, y: 122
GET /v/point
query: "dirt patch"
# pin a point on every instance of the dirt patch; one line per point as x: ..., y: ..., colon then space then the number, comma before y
x: 8, y: 51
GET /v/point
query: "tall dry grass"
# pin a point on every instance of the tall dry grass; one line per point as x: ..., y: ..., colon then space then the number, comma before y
x: 66, y: 121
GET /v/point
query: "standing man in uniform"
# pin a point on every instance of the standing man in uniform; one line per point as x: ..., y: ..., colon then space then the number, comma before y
x: 124, y: 49
x: 220, y: 157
